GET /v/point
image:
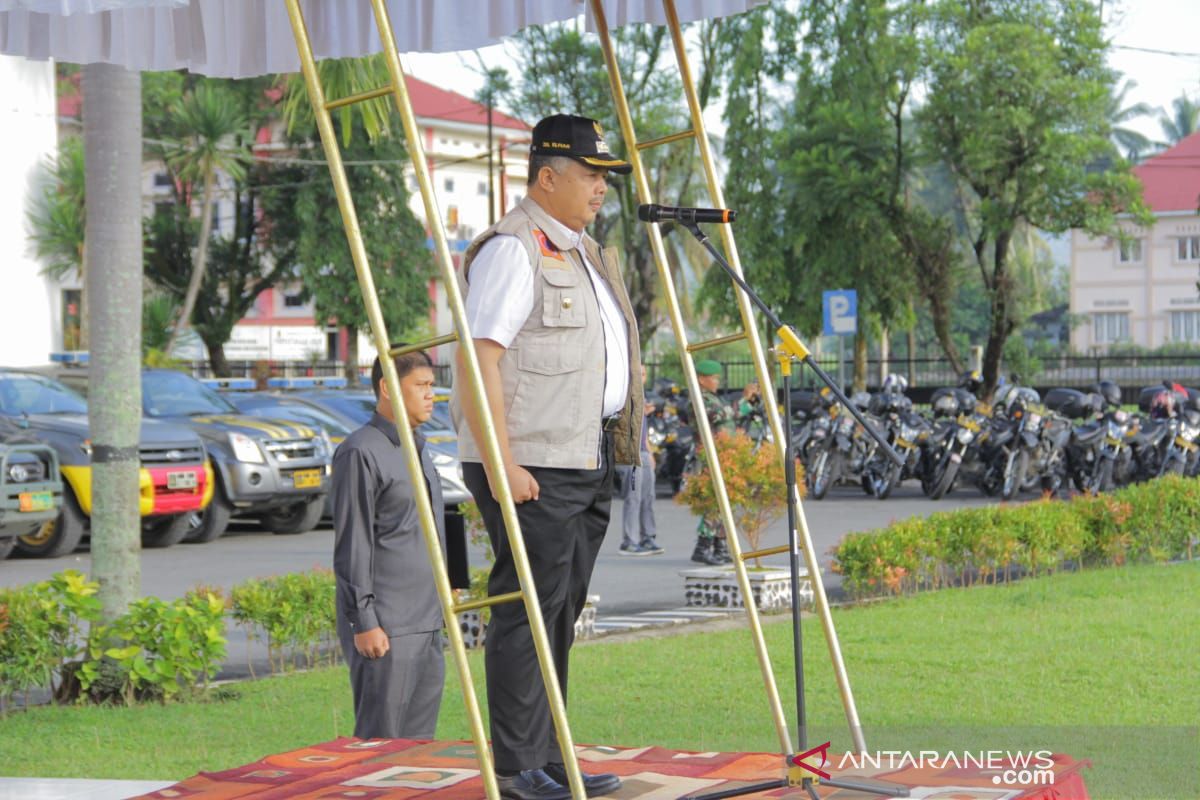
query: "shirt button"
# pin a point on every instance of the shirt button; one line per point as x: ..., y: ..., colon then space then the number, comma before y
x: 567, y: 302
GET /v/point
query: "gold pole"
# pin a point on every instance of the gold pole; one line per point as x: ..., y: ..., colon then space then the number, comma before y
x: 491, y: 446
x: 689, y: 369
x: 804, y: 539
x: 379, y: 331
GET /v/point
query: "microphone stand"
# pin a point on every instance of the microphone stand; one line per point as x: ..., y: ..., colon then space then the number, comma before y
x: 800, y: 773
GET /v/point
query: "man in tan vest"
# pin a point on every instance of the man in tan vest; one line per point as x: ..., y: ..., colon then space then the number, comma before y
x: 558, y: 348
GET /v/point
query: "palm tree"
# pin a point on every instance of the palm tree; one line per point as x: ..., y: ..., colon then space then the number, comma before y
x: 1182, y: 122
x: 57, y: 222
x: 208, y: 119
x: 1130, y: 142
x: 341, y: 77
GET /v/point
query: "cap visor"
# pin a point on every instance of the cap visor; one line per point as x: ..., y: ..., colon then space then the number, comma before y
x: 612, y: 163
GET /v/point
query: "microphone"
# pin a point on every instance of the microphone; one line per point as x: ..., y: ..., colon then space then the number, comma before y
x: 650, y: 212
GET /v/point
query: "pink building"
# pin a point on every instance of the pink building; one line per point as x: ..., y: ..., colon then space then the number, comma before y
x: 1143, y: 290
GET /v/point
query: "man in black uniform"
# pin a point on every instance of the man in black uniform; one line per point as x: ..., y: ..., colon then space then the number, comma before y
x: 389, y: 619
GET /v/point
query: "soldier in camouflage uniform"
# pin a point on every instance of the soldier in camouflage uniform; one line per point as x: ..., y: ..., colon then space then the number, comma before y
x: 711, y: 547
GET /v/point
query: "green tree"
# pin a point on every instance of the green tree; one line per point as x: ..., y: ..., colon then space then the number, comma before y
x: 1182, y: 122
x: 209, y: 139
x: 1017, y: 108
x: 259, y: 252
x: 1132, y: 144
x: 401, y: 264
x: 58, y: 220
x: 561, y: 71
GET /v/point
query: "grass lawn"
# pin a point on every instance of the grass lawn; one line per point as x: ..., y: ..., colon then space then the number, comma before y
x: 1101, y: 665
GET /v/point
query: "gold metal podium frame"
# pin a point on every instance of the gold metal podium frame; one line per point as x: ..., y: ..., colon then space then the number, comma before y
x: 398, y: 91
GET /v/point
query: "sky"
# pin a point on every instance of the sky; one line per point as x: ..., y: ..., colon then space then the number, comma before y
x: 1155, y: 44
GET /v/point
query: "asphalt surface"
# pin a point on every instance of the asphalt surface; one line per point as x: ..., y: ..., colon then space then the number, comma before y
x: 625, y: 584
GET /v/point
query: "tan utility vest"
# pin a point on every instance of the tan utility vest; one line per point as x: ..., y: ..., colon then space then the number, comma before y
x: 553, y: 372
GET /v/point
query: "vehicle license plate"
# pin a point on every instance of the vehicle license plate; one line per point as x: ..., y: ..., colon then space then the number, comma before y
x: 36, y: 501
x: 306, y: 478
x: 181, y: 480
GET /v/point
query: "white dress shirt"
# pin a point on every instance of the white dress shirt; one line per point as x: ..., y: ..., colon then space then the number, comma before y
x: 500, y: 300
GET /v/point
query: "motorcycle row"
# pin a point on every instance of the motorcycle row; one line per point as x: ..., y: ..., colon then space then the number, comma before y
x: 1020, y: 442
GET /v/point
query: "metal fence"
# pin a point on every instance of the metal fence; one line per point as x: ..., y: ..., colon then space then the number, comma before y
x: 261, y: 371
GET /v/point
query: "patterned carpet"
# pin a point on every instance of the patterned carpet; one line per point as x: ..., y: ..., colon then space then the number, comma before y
x: 398, y: 769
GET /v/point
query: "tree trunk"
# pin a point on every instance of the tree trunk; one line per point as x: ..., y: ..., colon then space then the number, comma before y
x: 860, y: 361
x: 112, y: 134
x: 200, y: 264
x: 912, y: 356
x: 217, y: 360
x: 84, y: 322
x: 352, y: 356
x: 1002, y: 324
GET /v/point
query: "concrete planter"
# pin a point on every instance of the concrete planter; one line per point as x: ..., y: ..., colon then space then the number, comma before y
x: 717, y: 587
x: 474, y: 632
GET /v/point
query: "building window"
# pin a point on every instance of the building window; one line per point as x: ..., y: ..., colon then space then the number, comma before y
x: 448, y: 184
x: 1185, y: 326
x: 1109, y: 327
x: 481, y: 188
x: 451, y: 216
x: 1189, y: 248
x: 1130, y: 252
x: 162, y: 179
x: 293, y: 300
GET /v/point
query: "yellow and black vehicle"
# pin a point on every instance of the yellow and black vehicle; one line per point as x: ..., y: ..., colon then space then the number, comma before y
x: 174, y: 482
x: 272, y: 470
x: 30, y: 491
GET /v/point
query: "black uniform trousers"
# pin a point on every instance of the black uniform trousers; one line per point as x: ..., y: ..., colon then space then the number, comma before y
x: 562, y: 530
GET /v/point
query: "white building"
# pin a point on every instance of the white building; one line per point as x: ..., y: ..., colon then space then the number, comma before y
x: 31, y: 306
x: 1143, y: 290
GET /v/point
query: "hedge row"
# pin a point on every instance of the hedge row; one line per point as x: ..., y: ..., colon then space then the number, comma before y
x: 51, y: 637
x: 1156, y: 521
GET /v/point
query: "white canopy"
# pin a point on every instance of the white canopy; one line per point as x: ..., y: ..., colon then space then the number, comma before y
x: 243, y: 38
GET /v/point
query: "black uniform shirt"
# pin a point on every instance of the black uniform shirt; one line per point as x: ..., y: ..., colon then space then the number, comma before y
x: 384, y: 578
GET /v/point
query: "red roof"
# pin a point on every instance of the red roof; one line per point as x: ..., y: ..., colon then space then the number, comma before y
x: 430, y: 101
x: 1171, y: 179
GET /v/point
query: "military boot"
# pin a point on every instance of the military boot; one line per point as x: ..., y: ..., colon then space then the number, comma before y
x: 703, y: 552
x: 720, y: 553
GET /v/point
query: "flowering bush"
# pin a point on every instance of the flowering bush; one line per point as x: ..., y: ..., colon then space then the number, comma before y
x: 753, y: 480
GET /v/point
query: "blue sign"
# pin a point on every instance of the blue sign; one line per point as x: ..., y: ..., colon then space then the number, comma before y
x: 840, y: 307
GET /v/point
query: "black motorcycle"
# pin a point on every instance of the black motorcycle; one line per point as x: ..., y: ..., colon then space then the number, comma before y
x: 905, y: 430
x: 961, y: 427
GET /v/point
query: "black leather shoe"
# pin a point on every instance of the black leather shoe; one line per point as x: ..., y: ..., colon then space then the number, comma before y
x: 532, y: 784
x: 594, y: 785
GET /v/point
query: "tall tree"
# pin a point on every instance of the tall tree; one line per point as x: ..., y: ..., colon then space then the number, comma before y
x: 259, y: 252
x: 1133, y: 144
x: 1017, y: 108
x: 1182, y: 122
x: 208, y: 123
x: 112, y: 134
x: 58, y: 221
x: 401, y: 264
x: 561, y: 71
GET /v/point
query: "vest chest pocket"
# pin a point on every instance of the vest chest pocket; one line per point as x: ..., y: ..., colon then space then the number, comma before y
x: 562, y: 299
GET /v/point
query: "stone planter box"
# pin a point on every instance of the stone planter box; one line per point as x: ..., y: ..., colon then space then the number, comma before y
x: 717, y: 587
x: 474, y: 633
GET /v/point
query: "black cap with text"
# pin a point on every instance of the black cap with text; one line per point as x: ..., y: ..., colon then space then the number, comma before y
x: 575, y: 137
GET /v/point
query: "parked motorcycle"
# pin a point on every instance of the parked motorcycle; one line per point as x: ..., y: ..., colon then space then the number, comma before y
x: 961, y: 426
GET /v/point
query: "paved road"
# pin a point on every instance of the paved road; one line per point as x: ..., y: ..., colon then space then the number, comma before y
x: 625, y: 584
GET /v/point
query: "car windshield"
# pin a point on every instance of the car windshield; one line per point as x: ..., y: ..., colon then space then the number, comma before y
x: 25, y: 393
x: 357, y: 406
x: 173, y: 394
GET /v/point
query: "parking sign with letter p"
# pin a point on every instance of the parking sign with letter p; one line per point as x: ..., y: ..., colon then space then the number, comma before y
x: 840, y: 308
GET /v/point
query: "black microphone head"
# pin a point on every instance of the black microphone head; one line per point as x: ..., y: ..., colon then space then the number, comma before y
x: 646, y: 212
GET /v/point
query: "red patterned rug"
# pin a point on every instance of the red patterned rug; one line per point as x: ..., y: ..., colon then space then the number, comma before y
x: 400, y: 768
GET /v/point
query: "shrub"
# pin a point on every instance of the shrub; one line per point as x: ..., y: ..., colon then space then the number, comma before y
x: 753, y: 480
x: 295, y: 613
x: 156, y: 651
x: 42, y: 629
x: 1156, y: 521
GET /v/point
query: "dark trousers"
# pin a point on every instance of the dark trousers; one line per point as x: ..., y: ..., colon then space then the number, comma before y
x: 562, y: 530
x: 398, y: 695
